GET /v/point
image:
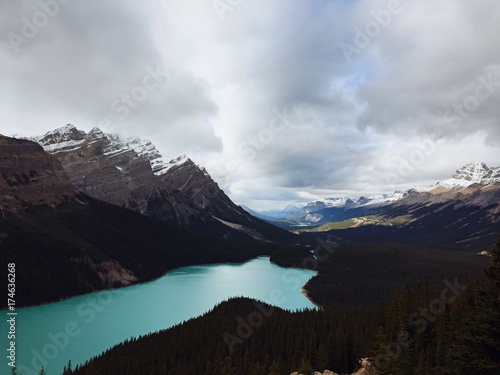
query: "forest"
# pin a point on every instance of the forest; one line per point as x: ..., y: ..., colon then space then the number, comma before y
x: 62, y: 250
x: 453, y: 329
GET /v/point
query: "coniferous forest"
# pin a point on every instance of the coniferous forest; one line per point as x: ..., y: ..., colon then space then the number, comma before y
x: 451, y: 330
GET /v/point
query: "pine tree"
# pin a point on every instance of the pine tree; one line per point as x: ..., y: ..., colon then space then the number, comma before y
x: 474, y: 346
x: 257, y: 369
x: 379, y: 358
x: 226, y: 367
x: 67, y: 369
x: 275, y: 369
x: 42, y: 372
x: 305, y: 367
x: 493, y: 271
x: 13, y: 371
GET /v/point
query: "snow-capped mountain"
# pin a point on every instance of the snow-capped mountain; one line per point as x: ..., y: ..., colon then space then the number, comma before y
x: 462, y: 212
x: 132, y: 173
x: 68, y: 138
x: 472, y: 174
x: 473, y: 177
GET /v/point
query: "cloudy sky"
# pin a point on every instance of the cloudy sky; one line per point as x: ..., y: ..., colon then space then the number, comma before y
x: 281, y: 101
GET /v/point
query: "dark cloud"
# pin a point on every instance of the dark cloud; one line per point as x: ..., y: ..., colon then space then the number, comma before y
x: 265, y: 96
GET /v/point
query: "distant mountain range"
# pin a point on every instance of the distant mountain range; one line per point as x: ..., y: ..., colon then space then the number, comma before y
x: 131, y: 173
x: 455, y: 213
x: 473, y: 176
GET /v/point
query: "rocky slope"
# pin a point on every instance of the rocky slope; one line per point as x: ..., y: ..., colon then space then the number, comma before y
x: 30, y: 176
x: 131, y: 173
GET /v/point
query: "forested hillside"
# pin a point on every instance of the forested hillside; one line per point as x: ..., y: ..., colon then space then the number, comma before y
x: 452, y: 330
x: 79, y: 248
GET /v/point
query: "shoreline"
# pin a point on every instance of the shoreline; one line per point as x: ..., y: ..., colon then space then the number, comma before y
x: 131, y: 285
x: 304, y: 291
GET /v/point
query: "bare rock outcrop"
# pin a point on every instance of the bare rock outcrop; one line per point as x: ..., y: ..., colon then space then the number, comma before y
x: 29, y: 176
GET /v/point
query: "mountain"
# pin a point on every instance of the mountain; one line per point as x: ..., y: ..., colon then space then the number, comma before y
x: 461, y: 212
x: 131, y: 173
x: 475, y: 181
x: 67, y: 243
x: 472, y: 174
x: 31, y: 177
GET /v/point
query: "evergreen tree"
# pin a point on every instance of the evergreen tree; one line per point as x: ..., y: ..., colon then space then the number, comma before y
x: 379, y: 357
x: 226, y: 367
x: 275, y: 369
x: 305, y: 367
x: 67, y: 369
x: 493, y: 271
x: 257, y: 369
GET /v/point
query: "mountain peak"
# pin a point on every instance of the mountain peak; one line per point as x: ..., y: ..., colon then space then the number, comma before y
x: 65, y: 129
x: 95, y: 130
x: 470, y: 174
x: 471, y: 171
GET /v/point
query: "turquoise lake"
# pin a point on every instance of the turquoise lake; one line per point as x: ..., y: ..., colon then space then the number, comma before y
x: 82, y: 327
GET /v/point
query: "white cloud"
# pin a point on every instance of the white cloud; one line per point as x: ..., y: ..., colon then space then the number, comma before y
x: 353, y: 119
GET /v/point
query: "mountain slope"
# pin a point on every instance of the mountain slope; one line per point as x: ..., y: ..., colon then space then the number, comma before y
x: 30, y: 176
x: 131, y: 173
x: 67, y: 243
x: 462, y: 212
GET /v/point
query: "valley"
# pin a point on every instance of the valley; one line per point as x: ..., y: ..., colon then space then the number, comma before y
x: 235, y: 187
x: 84, y: 212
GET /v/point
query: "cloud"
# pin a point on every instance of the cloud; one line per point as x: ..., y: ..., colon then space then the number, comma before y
x: 89, y: 57
x: 433, y: 62
x: 265, y: 95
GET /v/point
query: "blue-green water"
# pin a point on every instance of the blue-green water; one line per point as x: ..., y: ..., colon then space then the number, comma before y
x: 84, y: 326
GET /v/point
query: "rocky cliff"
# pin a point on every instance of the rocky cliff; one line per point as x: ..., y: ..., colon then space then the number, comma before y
x: 131, y: 173
x: 30, y: 176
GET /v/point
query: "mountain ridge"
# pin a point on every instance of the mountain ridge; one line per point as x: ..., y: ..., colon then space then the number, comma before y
x: 131, y: 173
x: 471, y: 177
x: 69, y: 243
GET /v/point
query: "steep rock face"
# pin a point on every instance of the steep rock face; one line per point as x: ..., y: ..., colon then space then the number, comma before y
x: 131, y: 173
x: 30, y: 176
x: 99, y: 167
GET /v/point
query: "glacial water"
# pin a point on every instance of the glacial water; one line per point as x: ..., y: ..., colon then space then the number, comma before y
x: 82, y: 327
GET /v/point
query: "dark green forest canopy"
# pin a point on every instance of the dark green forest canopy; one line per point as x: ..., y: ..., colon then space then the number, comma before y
x: 452, y: 330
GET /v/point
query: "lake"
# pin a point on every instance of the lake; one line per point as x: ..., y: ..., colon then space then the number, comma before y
x: 82, y: 327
